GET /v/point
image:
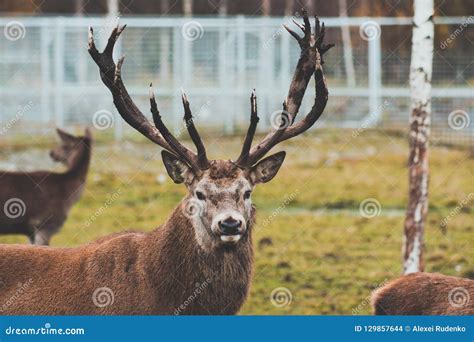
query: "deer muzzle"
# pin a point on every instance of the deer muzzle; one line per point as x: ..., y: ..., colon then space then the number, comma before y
x: 229, y: 226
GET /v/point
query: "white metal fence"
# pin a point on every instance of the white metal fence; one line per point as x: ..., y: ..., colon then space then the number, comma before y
x: 47, y: 77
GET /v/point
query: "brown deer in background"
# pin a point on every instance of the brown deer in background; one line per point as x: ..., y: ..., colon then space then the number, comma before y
x: 200, y: 260
x: 37, y: 203
x: 425, y: 294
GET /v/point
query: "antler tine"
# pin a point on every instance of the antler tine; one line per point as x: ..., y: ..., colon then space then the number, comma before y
x: 203, y: 162
x: 309, y: 63
x: 298, y: 24
x: 254, y: 119
x: 111, y: 76
x: 320, y: 102
x: 293, y: 33
x: 175, y: 145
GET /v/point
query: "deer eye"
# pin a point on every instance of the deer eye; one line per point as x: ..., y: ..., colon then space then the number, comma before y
x: 247, y: 194
x: 200, y: 195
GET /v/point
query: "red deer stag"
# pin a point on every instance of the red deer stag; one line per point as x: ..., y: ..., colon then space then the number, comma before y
x: 37, y: 204
x: 425, y: 294
x: 200, y: 260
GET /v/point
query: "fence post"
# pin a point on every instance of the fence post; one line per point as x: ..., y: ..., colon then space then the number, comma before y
x: 59, y: 73
x: 241, y: 64
x: 177, y: 68
x: 45, y: 72
x: 263, y: 83
x: 225, y: 77
x: 187, y: 74
x: 375, y: 80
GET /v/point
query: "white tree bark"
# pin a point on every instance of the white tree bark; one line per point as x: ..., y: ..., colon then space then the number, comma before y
x: 420, y: 85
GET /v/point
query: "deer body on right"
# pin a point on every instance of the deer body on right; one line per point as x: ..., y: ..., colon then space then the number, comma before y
x: 425, y: 294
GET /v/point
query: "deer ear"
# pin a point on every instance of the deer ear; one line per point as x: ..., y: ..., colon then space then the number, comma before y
x: 176, y: 168
x: 88, y: 133
x: 267, y: 168
x: 65, y: 136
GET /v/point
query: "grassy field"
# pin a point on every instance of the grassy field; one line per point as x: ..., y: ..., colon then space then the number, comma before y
x: 310, y: 237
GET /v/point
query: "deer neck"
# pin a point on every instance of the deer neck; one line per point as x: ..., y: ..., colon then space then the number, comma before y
x: 75, y: 176
x: 225, y: 271
x: 80, y: 163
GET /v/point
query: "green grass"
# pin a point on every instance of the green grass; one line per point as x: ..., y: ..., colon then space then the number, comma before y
x: 316, y: 244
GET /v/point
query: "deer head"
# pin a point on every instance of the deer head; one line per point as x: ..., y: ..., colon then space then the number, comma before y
x: 220, y: 190
x: 69, y: 148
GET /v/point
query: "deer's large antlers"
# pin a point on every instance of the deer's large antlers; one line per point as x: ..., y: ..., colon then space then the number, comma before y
x: 111, y: 75
x: 309, y: 63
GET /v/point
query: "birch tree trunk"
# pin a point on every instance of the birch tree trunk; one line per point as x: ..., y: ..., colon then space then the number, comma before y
x: 420, y: 86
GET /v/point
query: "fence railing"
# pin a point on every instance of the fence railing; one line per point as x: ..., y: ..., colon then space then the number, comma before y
x: 47, y: 77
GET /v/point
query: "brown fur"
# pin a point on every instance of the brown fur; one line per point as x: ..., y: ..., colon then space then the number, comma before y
x: 148, y: 273
x: 189, y: 265
x: 46, y: 196
x: 425, y: 294
x: 223, y: 170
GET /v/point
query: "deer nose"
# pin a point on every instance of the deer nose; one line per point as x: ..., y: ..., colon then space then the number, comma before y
x: 230, y: 226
